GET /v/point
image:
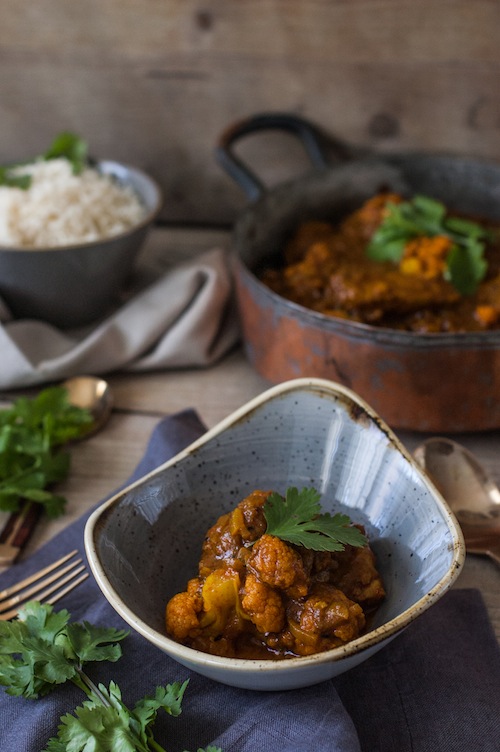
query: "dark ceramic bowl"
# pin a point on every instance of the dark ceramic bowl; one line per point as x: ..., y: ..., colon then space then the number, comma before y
x: 70, y: 286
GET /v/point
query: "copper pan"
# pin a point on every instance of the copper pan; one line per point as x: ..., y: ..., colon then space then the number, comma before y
x: 421, y: 382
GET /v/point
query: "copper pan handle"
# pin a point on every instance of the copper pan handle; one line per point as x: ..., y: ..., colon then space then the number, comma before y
x: 312, y: 138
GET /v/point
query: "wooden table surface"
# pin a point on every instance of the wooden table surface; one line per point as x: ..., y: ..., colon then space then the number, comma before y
x: 103, y: 463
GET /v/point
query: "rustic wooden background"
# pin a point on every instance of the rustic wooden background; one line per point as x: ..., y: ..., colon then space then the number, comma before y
x: 155, y: 82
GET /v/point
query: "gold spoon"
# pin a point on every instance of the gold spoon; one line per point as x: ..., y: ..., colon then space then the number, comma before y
x: 91, y: 393
x: 470, y: 492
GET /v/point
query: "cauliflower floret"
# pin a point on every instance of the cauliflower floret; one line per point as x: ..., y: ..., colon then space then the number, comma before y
x: 278, y: 565
x: 182, y: 613
x: 220, y: 546
x: 263, y: 605
x: 369, y: 216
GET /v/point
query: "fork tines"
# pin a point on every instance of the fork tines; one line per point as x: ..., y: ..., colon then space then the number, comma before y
x: 47, y: 585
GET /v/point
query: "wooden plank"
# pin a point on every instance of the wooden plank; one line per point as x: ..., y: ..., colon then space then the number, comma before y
x: 215, y: 392
x: 154, y: 83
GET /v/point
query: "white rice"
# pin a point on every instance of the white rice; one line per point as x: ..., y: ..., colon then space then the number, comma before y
x: 60, y: 208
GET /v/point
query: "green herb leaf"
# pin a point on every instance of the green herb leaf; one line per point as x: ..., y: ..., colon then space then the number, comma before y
x: 111, y: 725
x: 65, y: 145
x: 70, y: 147
x: 466, y: 266
x: 32, y: 433
x: 11, y: 180
x: 41, y: 649
x: 96, y: 727
x: 297, y: 519
x: 426, y: 217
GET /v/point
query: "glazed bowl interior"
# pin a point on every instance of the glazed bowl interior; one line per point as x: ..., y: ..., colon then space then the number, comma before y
x: 144, y: 544
x: 74, y: 285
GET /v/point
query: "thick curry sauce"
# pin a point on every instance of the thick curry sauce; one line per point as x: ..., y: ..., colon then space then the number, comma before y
x: 257, y: 596
x: 326, y: 268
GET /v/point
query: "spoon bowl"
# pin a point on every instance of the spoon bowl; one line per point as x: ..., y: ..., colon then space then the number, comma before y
x: 471, y: 493
x: 93, y: 394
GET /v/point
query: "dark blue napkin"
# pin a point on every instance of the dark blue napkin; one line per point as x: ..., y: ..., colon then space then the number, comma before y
x: 435, y: 688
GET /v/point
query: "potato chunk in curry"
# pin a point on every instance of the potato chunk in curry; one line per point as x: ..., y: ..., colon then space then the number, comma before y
x: 257, y: 596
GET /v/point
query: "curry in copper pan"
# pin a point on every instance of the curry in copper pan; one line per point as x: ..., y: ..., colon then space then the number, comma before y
x: 396, y: 263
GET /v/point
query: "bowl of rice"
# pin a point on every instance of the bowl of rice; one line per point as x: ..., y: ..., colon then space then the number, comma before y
x: 70, y: 233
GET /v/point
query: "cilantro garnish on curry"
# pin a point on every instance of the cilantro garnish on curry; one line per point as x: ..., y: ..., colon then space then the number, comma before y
x: 461, y: 242
x: 297, y: 519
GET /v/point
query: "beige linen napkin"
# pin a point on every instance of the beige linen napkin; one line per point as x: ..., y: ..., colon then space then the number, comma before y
x: 184, y: 318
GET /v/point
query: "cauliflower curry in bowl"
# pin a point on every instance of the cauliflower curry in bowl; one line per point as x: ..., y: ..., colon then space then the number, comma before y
x: 278, y: 579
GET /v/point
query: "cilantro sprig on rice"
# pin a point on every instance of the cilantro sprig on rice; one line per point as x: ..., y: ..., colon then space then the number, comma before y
x: 60, y: 199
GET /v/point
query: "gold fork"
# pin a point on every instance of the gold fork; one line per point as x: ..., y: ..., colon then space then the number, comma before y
x: 47, y: 585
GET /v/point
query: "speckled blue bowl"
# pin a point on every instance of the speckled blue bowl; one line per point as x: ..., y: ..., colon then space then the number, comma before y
x: 144, y: 544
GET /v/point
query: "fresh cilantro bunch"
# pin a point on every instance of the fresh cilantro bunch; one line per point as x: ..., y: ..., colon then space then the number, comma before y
x: 32, y: 432
x: 66, y: 145
x: 426, y: 217
x: 42, y: 649
x: 297, y: 518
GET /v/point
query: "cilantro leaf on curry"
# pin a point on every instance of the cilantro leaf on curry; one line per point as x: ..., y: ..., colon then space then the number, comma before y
x: 422, y: 216
x: 297, y: 518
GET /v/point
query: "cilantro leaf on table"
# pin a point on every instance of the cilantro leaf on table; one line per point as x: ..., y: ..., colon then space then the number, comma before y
x: 113, y: 726
x: 422, y: 216
x: 32, y: 434
x: 297, y: 518
x: 42, y: 649
x: 49, y: 651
